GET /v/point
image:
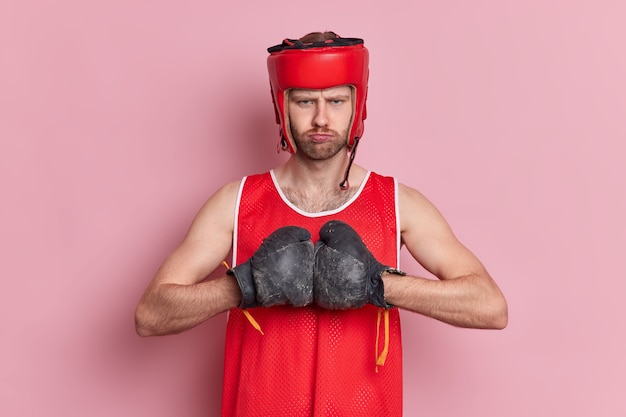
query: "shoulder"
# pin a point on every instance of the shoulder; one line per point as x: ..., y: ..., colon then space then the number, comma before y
x: 226, y: 195
x: 408, y: 197
x: 217, y: 213
x: 416, y: 210
x: 411, y: 196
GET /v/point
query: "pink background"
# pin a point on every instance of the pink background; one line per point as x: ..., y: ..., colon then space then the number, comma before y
x: 119, y: 118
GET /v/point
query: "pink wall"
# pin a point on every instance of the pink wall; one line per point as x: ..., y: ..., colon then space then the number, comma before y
x: 118, y: 119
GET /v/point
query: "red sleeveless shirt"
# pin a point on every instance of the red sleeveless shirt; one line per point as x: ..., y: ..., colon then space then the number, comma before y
x: 310, y: 361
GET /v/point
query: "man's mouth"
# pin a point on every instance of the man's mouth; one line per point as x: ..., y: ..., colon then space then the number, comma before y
x: 321, y: 137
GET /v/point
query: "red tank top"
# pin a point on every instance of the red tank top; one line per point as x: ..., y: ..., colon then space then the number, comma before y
x: 311, y: 361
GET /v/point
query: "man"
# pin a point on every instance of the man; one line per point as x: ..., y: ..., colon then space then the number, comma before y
x: 314, y: 290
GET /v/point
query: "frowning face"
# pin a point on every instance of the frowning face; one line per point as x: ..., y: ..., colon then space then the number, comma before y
x: 320, y: 120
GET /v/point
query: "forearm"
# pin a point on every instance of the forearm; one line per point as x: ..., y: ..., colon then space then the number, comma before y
x: 173, y: 308
x: 468, y: 301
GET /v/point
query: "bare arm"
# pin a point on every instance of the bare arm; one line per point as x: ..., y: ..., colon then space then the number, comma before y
x: 178, y: 298
x: 465, y: 294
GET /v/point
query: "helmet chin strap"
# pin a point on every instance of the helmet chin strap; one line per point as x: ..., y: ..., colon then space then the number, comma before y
x: 344, y: 185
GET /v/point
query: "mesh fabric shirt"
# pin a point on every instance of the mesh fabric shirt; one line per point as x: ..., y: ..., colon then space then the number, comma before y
x: 310, y: 361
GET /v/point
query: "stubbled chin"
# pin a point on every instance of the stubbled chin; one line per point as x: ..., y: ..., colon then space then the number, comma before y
x: 319, y: 151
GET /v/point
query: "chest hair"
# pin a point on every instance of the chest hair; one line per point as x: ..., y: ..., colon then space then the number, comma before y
x: 316, y: 201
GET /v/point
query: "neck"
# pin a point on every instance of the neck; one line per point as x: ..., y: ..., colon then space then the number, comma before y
x: 314, y: 185
x: 304, y: 173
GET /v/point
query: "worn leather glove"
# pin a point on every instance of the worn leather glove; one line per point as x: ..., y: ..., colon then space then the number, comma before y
x: 346, y: 274
x: 280, y: 272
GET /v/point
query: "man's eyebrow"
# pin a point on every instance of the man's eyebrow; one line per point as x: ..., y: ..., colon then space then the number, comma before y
x: 338, y: 96
x: 310, y: 95
x: 301, y: 94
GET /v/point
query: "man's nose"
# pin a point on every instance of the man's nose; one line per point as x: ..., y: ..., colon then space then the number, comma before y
x: 321, y: 115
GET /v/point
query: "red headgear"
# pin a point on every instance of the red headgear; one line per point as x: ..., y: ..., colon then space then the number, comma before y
x: 317, y: 66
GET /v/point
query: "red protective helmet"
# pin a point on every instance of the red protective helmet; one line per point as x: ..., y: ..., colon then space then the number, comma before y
x: 317, y: 66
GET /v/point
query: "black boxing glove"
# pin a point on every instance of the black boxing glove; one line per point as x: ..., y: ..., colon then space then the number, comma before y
x: 280, y: 272
x: 346, y: 274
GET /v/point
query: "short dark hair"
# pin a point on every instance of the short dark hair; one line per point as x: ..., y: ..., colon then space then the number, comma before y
x: 318, y: 37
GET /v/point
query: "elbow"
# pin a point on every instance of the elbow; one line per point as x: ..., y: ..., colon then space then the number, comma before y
x: 498, y: 316
x: 500, y: 322
x: 151, y: 322
x: 143, y: 322
x: 143, y: 331
x: 495, y: 309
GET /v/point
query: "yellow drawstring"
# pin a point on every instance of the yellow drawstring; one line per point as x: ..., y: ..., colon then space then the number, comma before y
x: 245, y: 312
x: 252, y: 321
x: 380, y: 360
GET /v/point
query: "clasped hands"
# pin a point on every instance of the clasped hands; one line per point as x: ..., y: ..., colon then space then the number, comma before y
x: 336, y: 273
